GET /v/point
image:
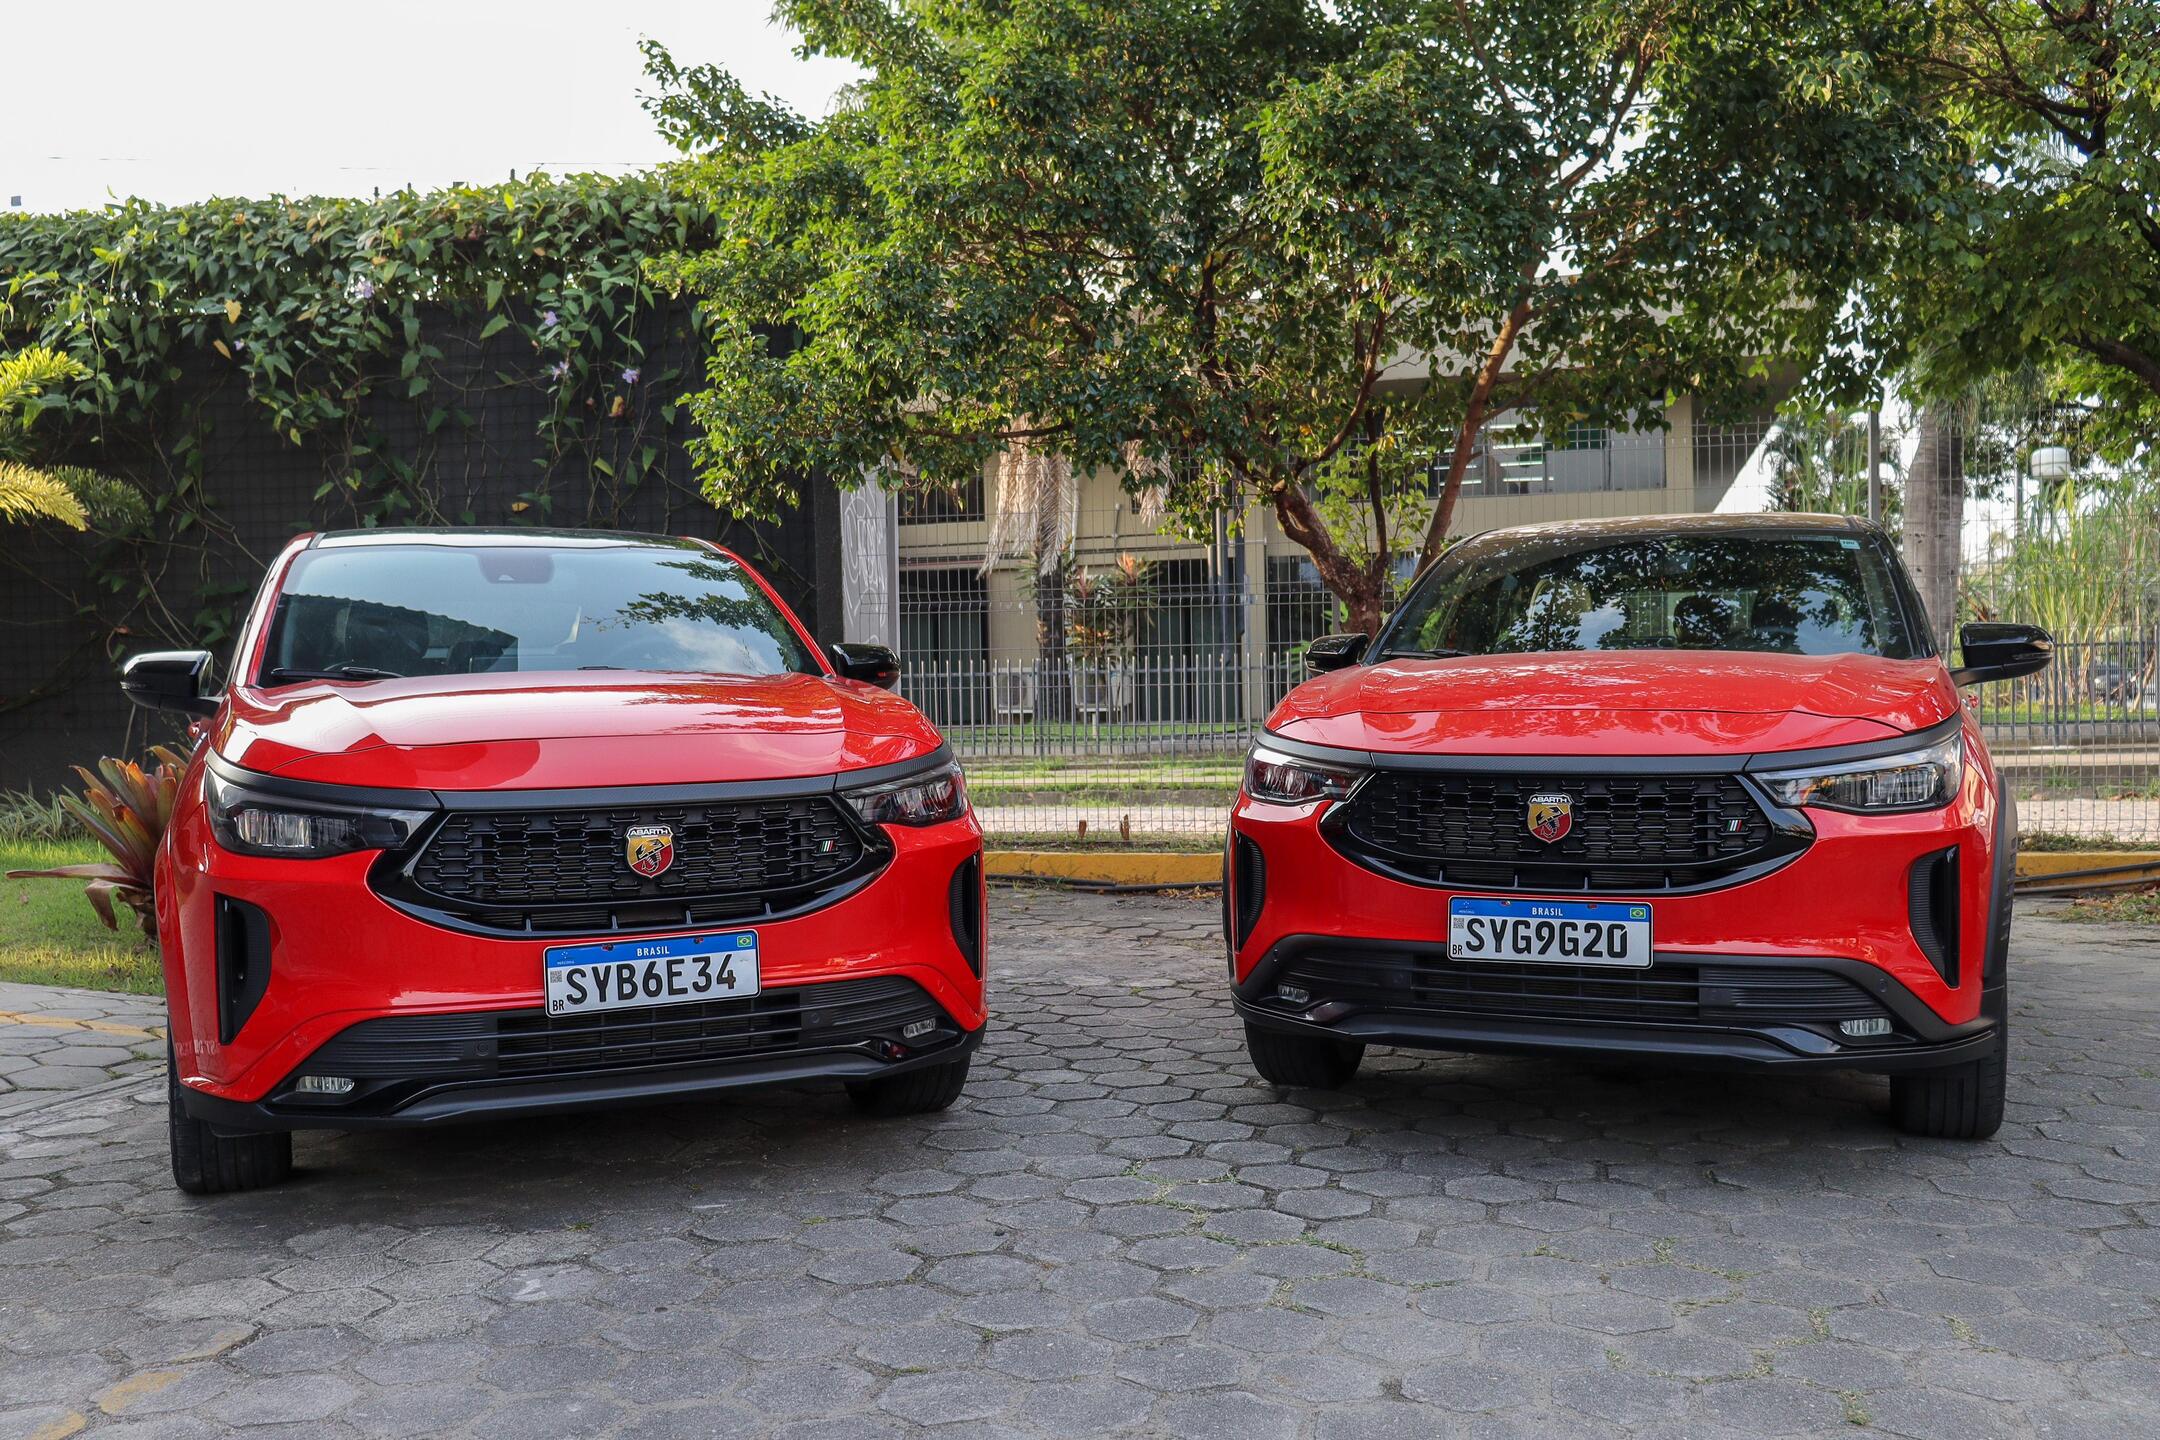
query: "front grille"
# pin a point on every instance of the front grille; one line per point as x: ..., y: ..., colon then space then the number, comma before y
x: 1722, y: 996
x: 1636, y: 833
x: 566, y: 872
x: 521, y: 1043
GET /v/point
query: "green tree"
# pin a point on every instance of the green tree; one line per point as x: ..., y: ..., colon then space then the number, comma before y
x: 2047, y: 251
x: 1221, y: 243
x: 28, y: 491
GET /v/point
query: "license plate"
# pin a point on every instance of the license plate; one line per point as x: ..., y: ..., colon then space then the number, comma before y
x: 672, y: 971
x: 1555, y: 932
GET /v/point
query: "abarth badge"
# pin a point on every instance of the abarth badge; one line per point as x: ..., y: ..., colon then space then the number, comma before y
x: 649, y: 849
x: 1552, y: 815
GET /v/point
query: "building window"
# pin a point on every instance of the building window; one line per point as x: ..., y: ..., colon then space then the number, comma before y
x: 945, y: 643
x: 941, y: 506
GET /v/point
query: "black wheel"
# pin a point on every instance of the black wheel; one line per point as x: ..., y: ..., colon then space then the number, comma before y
x: 917, y: 1092
x: 206, y: 1163
x: 1302, y: 1061
x: 1959, y: 1102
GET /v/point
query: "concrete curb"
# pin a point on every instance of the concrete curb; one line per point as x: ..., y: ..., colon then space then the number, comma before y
x: 2057, y: 862
x: 1109, y: 867
x: 1148, y: 867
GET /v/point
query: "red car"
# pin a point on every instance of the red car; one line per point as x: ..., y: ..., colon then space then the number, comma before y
x: 1690, y: 788
x: 493, y: 823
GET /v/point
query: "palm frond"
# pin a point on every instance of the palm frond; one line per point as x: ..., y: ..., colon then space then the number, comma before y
x: 27, y: 493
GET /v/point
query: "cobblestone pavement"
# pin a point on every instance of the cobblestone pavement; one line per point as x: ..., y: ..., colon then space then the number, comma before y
x: 1120, y: 1230
x: 55, y: 1040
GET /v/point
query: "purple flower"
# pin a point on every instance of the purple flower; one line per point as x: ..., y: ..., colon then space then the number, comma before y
x: 559, y: 369
x: 363, y: 288
x: 629, y: 376
x: 549, y: 320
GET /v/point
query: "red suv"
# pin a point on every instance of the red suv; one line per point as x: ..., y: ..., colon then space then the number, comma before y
x: 1691, y: 788
x: 491, y: 823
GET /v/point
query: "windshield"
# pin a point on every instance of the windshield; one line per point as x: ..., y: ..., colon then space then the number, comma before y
x: 372, y: 611
x: 1787, y: 594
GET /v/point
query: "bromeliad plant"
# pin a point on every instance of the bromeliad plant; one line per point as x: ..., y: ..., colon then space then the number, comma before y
x: 126, y: 808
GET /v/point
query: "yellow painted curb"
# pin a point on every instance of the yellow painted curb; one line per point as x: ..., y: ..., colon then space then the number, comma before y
x: 62, y: 1022
x: 1116, y: 867
x: 2056, y: 862
x: 1141, y: 867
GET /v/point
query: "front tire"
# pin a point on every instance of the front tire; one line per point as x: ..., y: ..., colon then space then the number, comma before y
x: 207, y: 1163
x: 1958, y: 1102
x: 1302, y: 1062
x: 917, y: 1092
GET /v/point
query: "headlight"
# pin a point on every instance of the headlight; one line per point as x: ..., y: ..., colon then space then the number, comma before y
x: 1924, y: 779
x: 1273, y: 776
x: 930, y: 798
x: 248, y: 822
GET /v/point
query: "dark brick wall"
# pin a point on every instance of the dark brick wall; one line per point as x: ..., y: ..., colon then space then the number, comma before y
x: 69, y: 609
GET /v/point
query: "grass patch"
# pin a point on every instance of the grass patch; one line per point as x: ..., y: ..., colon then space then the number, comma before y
x: 1106, y: 842
x: 49, y: 935
x: 2131, y: 907
x: 2044, y: 842
x: 28, y: 817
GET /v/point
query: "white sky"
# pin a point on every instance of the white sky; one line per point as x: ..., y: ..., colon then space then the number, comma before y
x: 178, y: 100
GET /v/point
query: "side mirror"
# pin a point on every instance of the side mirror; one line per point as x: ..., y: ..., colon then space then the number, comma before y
x: 2001, y: 652
x: 170, y: 680
x: 1334, y: 652
x: 871, y: 664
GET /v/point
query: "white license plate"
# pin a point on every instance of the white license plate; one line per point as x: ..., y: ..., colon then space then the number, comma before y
x: 675, y: 970
x: 1555, y: 932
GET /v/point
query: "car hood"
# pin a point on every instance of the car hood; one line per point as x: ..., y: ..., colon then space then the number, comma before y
x: 563, y: 731
x: 1617, y: 703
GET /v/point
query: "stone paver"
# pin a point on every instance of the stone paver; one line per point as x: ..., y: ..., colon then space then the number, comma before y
x: 54, y: 1040
x: 1121, y: 1231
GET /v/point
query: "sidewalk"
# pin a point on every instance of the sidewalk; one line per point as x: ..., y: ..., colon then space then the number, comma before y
x: 54, y: 1040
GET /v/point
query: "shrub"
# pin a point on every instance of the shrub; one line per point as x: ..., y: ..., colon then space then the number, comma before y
x: 125, y: 808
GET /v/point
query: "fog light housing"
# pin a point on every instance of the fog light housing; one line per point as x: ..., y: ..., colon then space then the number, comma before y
x: 1292, y: 994
x: 916, y: 1029
x: 1859, y: 1029
x: 323, y: 1085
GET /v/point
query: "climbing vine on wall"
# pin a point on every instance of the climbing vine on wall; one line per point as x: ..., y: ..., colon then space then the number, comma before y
x: 482, y: 354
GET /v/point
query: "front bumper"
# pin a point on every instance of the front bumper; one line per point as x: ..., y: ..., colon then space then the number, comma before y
x: 1719, y: 1010
x: 339, y: 956
x: 412, y: 1087
x: 1887, y: 917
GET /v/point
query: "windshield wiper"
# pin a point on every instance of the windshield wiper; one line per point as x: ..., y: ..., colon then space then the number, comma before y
x: 282, y: 673
x: 1421, y: 655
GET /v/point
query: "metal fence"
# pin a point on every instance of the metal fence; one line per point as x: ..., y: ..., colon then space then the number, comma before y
x: 1139, y: 743
x: 2078, y: 745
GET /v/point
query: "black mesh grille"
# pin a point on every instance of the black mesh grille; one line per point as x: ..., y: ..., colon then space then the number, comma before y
x: 1626, y: 832
x: 514, y: 1043
x: 1400, y: 981
x: 566, y: 871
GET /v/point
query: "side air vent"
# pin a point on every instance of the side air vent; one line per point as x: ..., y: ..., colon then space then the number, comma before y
x: 243, y: 963
x: 1931, y: 907
x: 965, y: 899
x: 1249, y: 880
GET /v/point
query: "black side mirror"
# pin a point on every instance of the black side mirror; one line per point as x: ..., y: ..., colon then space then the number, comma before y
x: 1334, y: 652
x: 871, y: 664
x: 2001, y: 652
x: 170, y: 680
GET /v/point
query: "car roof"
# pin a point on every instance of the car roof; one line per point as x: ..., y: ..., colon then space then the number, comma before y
x: 457, y: 536
x: 1796, y: 523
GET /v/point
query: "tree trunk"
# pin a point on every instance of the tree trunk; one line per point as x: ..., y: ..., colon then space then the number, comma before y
x: 1481, y: 391
x: 1935, y: 517
x: 1053, y: 678
x: 1363, y: 589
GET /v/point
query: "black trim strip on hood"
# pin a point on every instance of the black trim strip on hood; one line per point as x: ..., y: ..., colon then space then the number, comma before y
x: 1731, y: 764
x: 582, y: 796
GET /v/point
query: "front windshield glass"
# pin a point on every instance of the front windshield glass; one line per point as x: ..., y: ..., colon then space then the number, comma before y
x: 1789, y: 594
x: 372, y: 611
